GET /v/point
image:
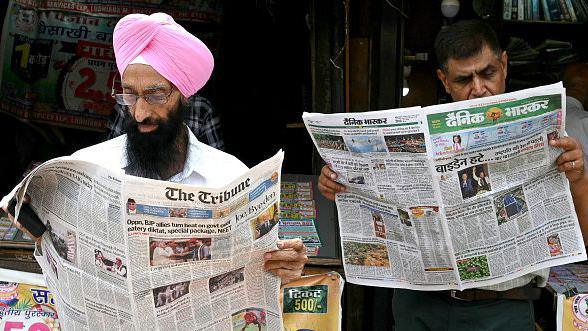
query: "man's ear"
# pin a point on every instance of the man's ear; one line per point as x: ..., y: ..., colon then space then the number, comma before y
x: 504, y: 62
x: 443, y: 78
x: 183, y: 100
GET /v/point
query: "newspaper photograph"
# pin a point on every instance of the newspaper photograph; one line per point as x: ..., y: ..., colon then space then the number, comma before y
x: 453, y: 196
x: 123, y: 252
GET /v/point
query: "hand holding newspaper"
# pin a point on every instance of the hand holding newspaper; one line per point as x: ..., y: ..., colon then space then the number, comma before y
x: 123, y: 252
x: 452, y: 196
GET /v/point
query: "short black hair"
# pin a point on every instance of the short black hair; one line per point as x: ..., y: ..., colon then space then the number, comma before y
x: 464, y: 39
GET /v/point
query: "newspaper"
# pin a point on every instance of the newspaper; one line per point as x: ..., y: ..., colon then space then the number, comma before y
x: 569, y: 279
x: 452, y: 196
x: 123, y: 252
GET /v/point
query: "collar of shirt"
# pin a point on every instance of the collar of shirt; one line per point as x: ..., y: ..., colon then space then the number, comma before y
x: 193, y: 165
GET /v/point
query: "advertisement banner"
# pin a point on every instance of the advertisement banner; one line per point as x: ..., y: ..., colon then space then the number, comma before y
x: 313, y: 303
x: 572, y: 312
x: 27, y: 307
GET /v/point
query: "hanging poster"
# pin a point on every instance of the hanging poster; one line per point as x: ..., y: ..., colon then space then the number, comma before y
x: 57, y: 61
x: 313, y: 303
x: 27, y: 307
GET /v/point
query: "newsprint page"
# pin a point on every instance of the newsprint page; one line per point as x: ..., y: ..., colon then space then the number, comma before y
x: 452, y: 196
x: 123, y: 252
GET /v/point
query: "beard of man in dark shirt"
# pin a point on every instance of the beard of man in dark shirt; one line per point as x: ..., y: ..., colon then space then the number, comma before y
x: 153, y: 153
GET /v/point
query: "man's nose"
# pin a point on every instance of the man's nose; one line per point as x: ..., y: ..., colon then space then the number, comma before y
x: 478, y: 87
x: 141, y: 110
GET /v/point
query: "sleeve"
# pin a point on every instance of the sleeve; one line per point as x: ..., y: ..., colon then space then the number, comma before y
x: 206, y: 251
x: 6, y: 198
x: 204, y: 123
x: 476, y: 178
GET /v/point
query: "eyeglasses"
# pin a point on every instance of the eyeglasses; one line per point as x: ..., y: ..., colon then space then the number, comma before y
x: 130, y: 99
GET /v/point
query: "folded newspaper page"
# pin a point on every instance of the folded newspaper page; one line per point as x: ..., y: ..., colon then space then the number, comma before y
x: 452, y: 196
x: 123, y: 252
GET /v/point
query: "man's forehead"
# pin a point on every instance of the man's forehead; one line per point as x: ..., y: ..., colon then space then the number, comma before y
x: 476, y: 63
x: 144, y: 76
x: 145, y: 84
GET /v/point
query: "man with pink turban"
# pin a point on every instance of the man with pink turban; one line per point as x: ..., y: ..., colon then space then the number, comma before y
x: 161, y: 65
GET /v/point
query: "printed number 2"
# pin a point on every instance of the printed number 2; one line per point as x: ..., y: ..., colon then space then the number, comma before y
x: 83, y: 90
x: 25, y: 49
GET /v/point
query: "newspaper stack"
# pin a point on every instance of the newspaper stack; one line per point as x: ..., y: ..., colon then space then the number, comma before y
x: 452, y: 196
x: 129, y: 253
x: 298, y: 214
x: 16, y: 248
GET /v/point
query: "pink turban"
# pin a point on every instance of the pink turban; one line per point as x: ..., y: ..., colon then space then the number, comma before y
x: 172, y: 51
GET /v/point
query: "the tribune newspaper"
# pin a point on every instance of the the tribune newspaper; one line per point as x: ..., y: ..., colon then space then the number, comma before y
x: 452, y: 196
x: 123, y: 252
